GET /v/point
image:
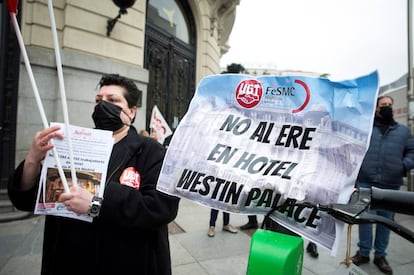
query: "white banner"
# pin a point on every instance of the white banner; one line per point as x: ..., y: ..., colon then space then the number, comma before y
x: 248, y: 144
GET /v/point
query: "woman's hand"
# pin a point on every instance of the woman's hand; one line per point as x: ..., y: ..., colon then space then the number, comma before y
x: 40, y: 145
x: 77, y: 200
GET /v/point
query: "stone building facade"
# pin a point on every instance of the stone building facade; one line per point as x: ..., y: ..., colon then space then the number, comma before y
x: 165, y: 46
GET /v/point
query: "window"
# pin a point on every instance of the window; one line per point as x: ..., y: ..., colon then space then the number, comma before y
x: 169, y: 17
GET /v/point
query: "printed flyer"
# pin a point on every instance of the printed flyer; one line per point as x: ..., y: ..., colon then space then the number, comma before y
x: 91, y: 150
x: 249, y: 144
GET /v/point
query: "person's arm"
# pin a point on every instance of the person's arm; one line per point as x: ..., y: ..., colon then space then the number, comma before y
x: 409, y: 153
x: 22, y: 186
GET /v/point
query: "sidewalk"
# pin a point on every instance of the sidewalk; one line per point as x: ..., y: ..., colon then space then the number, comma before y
x: 193, y: 252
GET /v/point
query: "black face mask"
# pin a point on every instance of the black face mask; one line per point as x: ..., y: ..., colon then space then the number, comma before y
x: 386, y: 113
x: 107, y: 116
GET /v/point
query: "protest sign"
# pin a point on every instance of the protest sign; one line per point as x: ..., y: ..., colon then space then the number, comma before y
x: 159, y: 125
x: 248, y: 144
x: 92, y: 150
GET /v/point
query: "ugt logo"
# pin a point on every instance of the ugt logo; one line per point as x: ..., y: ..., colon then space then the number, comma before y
x: 248, y: 93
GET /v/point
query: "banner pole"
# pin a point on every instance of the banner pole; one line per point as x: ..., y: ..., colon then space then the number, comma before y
x: 37, y: 96
x: 62, y: 90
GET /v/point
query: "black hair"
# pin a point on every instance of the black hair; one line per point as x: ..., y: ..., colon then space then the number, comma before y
x: 132, y: 93
x: 384, y: 96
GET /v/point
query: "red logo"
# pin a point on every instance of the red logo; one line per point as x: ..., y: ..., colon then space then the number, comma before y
x: 301, y: 107
x: 249, y: 93
x: 130, y: 177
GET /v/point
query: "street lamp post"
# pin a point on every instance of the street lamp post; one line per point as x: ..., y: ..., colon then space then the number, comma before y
x: 410, y: 83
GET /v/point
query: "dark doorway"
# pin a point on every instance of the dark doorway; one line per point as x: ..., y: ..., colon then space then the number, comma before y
x: 170, y: 58
x: 9, y: 80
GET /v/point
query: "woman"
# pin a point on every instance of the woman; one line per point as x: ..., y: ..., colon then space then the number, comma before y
x: 129, y: 232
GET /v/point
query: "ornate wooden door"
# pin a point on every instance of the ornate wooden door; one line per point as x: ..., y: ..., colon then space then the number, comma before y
x: 170, y: 59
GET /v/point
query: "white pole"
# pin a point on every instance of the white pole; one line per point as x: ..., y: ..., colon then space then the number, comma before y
x: 62, y: 90
x: 37, y: 96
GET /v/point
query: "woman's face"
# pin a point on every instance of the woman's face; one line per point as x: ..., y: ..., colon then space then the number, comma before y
x: 115, y: 94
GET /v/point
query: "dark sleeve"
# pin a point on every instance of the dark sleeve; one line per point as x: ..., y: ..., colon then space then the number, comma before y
x: 22, y: 200
x: 409, y: 152
x: 146, y: 207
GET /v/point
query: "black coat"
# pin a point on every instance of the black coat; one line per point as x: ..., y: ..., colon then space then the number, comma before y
x: 130, y: 236
x: 389, y: 157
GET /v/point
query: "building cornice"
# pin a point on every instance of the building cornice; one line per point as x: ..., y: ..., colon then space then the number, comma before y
x: 222, y: 17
